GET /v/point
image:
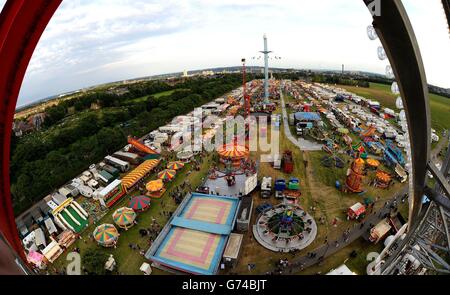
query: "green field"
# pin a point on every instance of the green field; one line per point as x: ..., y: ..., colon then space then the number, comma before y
x: 128, y: 260
x: 439, y: 105
x: 157, y: 95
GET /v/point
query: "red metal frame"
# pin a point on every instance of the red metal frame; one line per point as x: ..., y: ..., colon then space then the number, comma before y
x: 244, y: 91
x: 22, y: 23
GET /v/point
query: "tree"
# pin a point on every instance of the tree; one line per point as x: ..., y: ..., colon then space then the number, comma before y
x: 94, y: 261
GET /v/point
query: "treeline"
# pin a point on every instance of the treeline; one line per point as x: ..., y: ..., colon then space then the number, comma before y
x: 76, y: 136
x: 322, y: 78
x: 339, y: 80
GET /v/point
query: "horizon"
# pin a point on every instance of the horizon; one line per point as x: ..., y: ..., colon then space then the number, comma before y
x: 90, y: 43
x: 53, y: 96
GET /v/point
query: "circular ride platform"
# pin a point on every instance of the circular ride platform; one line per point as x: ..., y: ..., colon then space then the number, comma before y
x: 284, y: 228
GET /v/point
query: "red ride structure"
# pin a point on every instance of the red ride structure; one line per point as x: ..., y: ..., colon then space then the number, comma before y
x: 244, y: 91
x: 22, y: 23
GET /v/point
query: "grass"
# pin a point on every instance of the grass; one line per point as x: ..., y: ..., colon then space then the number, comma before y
x: 318, y: 191
x: 128, y: 260
x: 157, y: 95
x: 439, y: 105
x: 317, y: 184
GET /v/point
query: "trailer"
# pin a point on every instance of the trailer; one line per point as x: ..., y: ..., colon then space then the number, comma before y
x: 93, y: 184
x: 105, y: 177
x: 294, y: 184
x: 126, y: 156
x: 266, y: 187
x: 356, y: 211
x: 280, y: 186
x: 277, y: 161
x: 401, y: 174
x: 119, y: 164
x: 111, y: 193
x: 85, y: 191
x: 287, y: 162
x: 380, y: 231
x: 68, y: 191
x: 111, y: 170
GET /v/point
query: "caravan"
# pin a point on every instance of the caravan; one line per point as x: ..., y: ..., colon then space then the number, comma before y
x: 119, y: 164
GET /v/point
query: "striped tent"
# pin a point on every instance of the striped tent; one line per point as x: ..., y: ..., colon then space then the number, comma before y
x: 106, y: 235
x: 176, y: 165
x: 139, y: 203
x: 373, y: 162
x: 124, y: 217
x: 137, y: 174
x: 167, y: 174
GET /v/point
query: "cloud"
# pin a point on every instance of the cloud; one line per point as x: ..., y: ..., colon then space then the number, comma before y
x: 96, y: 41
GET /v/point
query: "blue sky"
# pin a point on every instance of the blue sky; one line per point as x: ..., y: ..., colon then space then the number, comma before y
x: 98, y: 41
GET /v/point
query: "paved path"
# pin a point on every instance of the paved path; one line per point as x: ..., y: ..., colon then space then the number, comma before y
x: 329, y: 247
x: 441, y: 144
x: 301, y: 143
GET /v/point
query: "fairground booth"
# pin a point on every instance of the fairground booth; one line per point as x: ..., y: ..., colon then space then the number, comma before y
x: 143, y: 170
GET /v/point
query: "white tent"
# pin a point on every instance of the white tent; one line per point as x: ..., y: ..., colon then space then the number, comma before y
x: 146, y: 268
x: 342, y: 270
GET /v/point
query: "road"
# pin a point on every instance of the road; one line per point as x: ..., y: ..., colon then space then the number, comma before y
x: 329, y: 247
x: 441, y: 144
x: 301, y: 143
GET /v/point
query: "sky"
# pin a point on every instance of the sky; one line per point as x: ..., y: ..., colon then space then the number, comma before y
x: 90, y: 42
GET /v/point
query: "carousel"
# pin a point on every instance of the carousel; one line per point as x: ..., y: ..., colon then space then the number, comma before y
x: 155, y: 188
x: 233, y: 153
x: 382, y: 179
x: 372, y: 163
x: 185, y: 156
x: 106, y: 235
x: 284, y: 228
x: 139, y: 203
x: 124, y: 217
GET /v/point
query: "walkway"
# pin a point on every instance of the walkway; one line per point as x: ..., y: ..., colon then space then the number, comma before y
x: 440, y: 145
x: 329, y: 247
x: 301, y: 143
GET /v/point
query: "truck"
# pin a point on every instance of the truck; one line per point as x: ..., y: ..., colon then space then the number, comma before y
x: 111, y: 170
x: 280, y: 186
x: 119, y: 164
x: 85, y: 190
x: 287, y: 162
x: 380, y: 231
x: 401, y: 174
x: 277, y: 161
x: 266, y: 187
x: 127, y: 156
x: 294, y: 183
x: 250, y: 184
x: 105, y: 177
